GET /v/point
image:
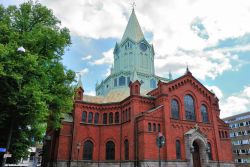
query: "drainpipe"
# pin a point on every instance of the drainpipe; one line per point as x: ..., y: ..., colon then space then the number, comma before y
x: 120, y: 143
x: 72, y: 138
x: 99, y: 143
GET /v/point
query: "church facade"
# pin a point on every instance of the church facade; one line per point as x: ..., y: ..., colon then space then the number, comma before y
x: 133, y: 106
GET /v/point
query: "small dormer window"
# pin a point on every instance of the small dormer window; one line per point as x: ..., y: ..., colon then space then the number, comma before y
x: 122, y: 81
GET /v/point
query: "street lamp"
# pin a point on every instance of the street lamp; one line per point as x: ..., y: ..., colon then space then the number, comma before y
x: 160, y: 141
x: 20, y: 50
x: 78, y: 149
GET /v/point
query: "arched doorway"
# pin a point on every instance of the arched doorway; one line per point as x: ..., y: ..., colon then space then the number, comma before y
x: 196, y: 155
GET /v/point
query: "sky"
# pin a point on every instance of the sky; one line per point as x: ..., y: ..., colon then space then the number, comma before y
x: 212, y: 37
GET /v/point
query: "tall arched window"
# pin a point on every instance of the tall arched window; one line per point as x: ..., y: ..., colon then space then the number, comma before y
x: 88, y: 148
x: 117, y: 117
x: 204, y: 113
x: 154, y: 127
x: 149, y: 127
x: 189, y: 108
x: 126, y: 149
x: 84, y: 116
x: 110, y: 118
x: 178, y: 149
x: 175, y: 109
x: 122, y: 81
x: 104, y: 118
x: 209, y: 151
x: 90, y: 117
x: 96, y: 118
x: 110, y: 150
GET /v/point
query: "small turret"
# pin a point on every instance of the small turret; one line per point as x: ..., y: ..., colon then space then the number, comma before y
x: 135, y: 88
x: 79, y: 90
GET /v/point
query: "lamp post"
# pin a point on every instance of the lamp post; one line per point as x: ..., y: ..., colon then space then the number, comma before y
x: 160, y: 141
x: 20, y: 50
x: 78, y: 149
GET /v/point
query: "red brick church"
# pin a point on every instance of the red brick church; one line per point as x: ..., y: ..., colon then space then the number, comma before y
x: 132, y: 107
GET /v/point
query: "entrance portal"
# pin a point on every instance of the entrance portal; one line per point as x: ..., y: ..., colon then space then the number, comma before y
x: 196, y: 155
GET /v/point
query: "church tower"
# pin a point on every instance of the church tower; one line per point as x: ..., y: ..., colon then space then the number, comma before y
x: 133, y: 52
x: 133, y: 60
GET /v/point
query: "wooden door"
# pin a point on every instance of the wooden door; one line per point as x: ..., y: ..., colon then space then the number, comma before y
x: 196, y: 155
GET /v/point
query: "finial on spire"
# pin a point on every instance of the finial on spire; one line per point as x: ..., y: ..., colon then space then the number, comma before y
x: 79, y: 83
x: 170, y: 76
x: 133, y: 5
x: 187, y: 70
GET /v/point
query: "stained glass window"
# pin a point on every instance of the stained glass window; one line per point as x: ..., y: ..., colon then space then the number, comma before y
x: 110, y: 150
x: 178, y: 149
x: 96, y: 118
x: 88, y: 150
x: 175, y: 109
x: 189, y: 108
x: 105, y: 118
x: 84, y: 116
x: 126, y: 149
x: 111, y: 118
x: 117, y: 117
x: 90, y: 117
x: 204, y: 113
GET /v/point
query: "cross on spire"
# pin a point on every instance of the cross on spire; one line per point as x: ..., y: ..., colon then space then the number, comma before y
x: 133, y: 5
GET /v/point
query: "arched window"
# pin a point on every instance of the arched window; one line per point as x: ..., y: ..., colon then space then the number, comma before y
x: 88, y: 148
x: 159, y: 127
x: 154, y: 127
x: 189, y: 108
x: 178, y: 149
x: 152, y: 83
x: 175, y: 109
x: 110, y: 150
x: 96, y: 118
x: 110, y: 118
x: 105, y: 118
x: 204, y: 113
x: 84, y: 116
x: 90, y: 117
x: 126, y: 149
x: 117, y: 117
x: 122, y: 81
x: 209, y: 151
x: 149, y: 127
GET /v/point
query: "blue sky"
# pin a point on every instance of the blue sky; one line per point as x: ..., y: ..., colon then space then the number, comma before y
x: 212, y: 37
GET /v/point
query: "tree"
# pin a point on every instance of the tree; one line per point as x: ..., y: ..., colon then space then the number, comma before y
x: 35, y: 87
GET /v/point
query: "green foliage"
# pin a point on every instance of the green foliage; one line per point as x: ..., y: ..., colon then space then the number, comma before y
x: 35, y: 88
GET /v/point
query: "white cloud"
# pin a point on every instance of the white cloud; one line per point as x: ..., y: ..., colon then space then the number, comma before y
x: 201, y: 63
x: 84, y: 71
x: 236, y: 104
x: 107, y: 58
x: 91, y: 93
x: 216, y: 90
x: 88, y: 57
x: 171, y: 23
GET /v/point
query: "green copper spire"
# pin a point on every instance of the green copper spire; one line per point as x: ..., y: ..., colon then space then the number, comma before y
x: 133, y: 30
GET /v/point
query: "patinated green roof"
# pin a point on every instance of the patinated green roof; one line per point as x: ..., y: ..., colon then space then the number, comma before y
x: 133, y: 30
